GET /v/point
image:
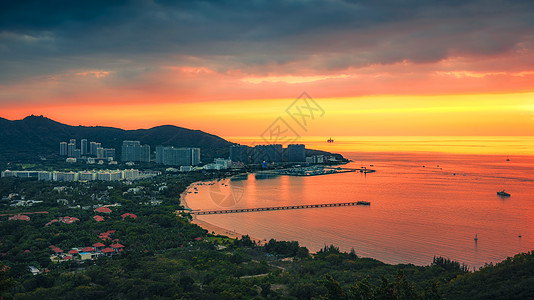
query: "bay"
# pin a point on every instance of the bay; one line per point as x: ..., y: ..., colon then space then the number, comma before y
x: 422, y: 205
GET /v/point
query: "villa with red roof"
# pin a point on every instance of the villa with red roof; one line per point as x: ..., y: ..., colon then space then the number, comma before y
x: 98, y: 246
x: 117, y: 247
x: 88, y: 249
x: 103, y: 210
x: 129, y: 215
x: 19, y: 217
x: 66, y: 220
x: 108, y: 251
x: 98, y: 218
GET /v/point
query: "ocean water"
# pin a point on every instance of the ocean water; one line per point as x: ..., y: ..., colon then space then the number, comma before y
x: 422, y: 205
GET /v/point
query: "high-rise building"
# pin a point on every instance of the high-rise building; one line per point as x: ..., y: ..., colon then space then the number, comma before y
x: 239, y: 153
x: 296, y: 153
x: 109, y: 153
x: 100, y: 153
x: 83, y: 147
x: 267, y: 153
x: 134, y: 151
x: 159, y: 154
x: 72, y: 141
x: 70, y: 149
x: 92, y: 148
x: 195, y: 156
x: 144, y: 153
x: 177, y: 156
x: 63, y: 150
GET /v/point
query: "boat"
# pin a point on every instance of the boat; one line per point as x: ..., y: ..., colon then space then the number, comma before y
x: 363, y: 203
x: 476, y: 237
x: 330, y: 140
x: 503, y: 194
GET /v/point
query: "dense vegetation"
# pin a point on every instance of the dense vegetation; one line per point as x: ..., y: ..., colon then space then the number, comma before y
x: 167, y: 257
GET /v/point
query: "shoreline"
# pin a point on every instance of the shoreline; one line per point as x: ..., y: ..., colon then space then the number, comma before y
x: 211, y: 228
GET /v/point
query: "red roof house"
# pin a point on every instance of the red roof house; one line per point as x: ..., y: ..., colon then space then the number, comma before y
x: 67, y: 257
x: 108, y: 251
x: 51, y: 222
x: 129, y: 215
x: 57, y: 250
x: 116, y: 246
x: 103, y: 209
x: 69, y: 220
x: 88, y: 249
x: 98, y: 245
x: 98, y: 218
x: 20, y: 217
x: 73, y: 251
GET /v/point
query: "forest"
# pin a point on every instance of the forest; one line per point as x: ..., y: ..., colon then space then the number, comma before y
x: 167, y: 257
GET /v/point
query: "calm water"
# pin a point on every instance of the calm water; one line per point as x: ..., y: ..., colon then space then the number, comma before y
x: 416, y: 212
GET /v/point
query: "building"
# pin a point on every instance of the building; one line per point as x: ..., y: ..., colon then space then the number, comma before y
x: 239, y: 153
x: 70, y: 149
x: 225, y: 163
x: 134, y: 151
x: 177, y: 156
x: 93, y: 146
x: 83, y: 147
x: 108, y: 153
x: 296, y: 153
x: 267, y: 153
x: 63, y: 150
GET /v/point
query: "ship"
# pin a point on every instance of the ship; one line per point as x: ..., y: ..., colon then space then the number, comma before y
x: 363, y: 203
x: 330, y: 140
x: 503, y: 194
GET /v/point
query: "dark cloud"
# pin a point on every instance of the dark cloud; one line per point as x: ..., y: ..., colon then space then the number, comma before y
x: 46, y: 37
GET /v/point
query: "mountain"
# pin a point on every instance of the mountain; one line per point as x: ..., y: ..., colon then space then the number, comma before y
x: 38, y: 135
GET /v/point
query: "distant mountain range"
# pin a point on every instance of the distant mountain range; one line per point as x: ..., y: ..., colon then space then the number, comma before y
x: 38, y: 136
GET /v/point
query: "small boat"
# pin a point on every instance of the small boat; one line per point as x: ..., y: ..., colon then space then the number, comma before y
x: 363, y: 203
x: 476, y: 237
x: 503, y: 194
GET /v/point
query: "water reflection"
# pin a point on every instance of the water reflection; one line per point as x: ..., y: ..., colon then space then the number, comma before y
x: 415, y: 214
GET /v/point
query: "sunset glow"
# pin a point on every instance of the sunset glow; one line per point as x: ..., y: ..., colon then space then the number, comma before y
x: 423, y: 74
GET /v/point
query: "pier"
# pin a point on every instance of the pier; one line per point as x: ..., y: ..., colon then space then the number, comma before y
x: 275, y: 208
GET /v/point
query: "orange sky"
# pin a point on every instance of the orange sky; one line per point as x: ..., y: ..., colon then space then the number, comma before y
x: 426, y: 69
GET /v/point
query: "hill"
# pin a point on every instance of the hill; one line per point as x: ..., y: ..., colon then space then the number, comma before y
x: 38, y: 135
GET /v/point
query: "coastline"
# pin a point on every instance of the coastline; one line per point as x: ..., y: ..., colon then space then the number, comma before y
x: 211, y: 228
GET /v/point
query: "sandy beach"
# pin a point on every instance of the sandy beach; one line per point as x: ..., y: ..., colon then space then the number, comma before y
x: 213, y: 229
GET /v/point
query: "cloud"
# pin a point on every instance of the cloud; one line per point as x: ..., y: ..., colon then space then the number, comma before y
x: 298, y: 41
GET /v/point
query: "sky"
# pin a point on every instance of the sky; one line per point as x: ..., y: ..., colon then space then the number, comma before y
x: 249, y: 68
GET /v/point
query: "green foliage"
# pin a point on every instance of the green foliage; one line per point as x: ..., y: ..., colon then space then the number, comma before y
x: 512, y: 278
x: 164, y: 259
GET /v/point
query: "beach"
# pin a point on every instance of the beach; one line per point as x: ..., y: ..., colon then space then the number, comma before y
x: 211, y: 228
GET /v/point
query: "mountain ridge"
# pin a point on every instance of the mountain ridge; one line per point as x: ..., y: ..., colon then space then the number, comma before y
x: 39, y: 136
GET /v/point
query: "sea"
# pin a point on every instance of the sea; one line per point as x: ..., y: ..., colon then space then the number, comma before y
x: 422, y: 204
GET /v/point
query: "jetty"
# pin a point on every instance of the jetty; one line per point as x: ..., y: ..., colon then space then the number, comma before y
x: 275, y: 208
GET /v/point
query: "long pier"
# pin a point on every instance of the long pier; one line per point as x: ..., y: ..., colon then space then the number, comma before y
x: 275, y: 208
